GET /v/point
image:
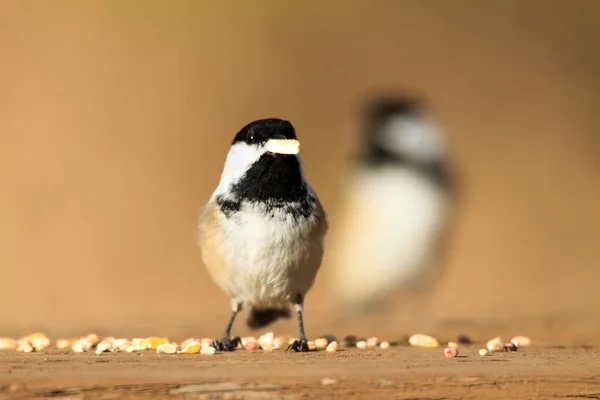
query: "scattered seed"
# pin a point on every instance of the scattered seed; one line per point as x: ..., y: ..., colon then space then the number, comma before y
x: 450, y: 352
x: 463, y: 339
x: 483, y: 352
x: 372, y: 341
x: 93, y: 339
x: 279, y: 342
x: 349, y: 341
x: 186, y: 342
x: 153, y: 342
x: 321, y: 343
x: 332, y: 347
x: 420, y: 340
x: 267, y: 339
x: 63, y: 344
x: 453, y: 344
x: 362, y: 344
x: 510, y: 346
x: 37, y: 341
x: 328, y: 381
x: 167, y: 348
x: 267, y: 347
x: 122, y: 344
x: 384, y: 345
x: 208, y: 350
x: 495, y: 344
x: 104, y: 346
x: 192, y: 348
x: 7, y: 343
x: 24, y: 346
x: 79, y: 347
x: 521, y: 341
x: 248, y: 339
x: 250, y: 346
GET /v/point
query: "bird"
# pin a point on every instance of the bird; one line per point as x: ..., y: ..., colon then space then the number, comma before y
x: 394, y: 205
x: 262, y: 232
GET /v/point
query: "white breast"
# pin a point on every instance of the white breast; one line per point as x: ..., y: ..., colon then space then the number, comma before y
x: 269, y: 256
x: 386, y: 234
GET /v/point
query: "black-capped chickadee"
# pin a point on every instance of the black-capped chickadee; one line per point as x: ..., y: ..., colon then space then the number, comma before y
x: 394, y: 206
x: 262, y: 231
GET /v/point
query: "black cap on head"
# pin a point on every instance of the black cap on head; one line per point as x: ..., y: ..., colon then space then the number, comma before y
x: 379, y: 110
x: 377, y: 148
x: 259, y: 131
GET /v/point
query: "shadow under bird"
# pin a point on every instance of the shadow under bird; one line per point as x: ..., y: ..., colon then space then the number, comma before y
x: 394, y: 206
x: 262, y: 232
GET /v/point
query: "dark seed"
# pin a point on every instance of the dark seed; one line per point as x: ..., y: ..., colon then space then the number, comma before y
x: 349, y: 341
x: 510, y: 347
x: 464, y: 339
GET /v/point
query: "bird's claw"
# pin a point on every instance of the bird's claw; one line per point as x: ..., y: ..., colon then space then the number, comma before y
x: 226, y: 344
x: 298, y: 345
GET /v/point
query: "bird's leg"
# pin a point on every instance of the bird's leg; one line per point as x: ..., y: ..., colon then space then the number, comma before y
x: 227, y: 343
x: 300, y: 344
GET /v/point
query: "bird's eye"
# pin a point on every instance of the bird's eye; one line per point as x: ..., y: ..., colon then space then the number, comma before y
x: 251, y: 137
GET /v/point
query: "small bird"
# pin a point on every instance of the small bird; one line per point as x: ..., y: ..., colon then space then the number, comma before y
x: 394, y: 205
x: 262, y: 232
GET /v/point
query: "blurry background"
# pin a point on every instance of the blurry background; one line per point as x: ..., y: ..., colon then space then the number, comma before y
x: 116, y: 117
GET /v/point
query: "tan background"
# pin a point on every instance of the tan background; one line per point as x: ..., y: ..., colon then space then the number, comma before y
x: 116, y: 116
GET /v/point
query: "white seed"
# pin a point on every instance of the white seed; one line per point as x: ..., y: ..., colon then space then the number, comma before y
x: 279, y: 342
x: 332, y: 347
x: 7, y: 343
x: 62, y: 344
x: 24, y: 346
x: 483, y: 352
x: 521, y: 341
x: 321, y: 343
x: 266, y: 339
x: 104, y: 347
x: 267, y: 347
x: 328, y: 381
x: 453, y: 344
x: 384, y: 345
x: 372, y: 342
x: 420, y: 340
x: 167, y: 348
x: 80, y: 347
x: 208, y: 350
x: 122, y: 344
x: 494, y: 345
x: 248, y: 339
x: 138, y: 344
x: 361, y: 345
x: 93, y: 339
x: 311, y: 345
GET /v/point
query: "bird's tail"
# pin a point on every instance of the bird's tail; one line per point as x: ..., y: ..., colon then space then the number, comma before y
x: 260, y: 318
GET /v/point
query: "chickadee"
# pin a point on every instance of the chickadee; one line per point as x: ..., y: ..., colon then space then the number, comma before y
x: 394, y: 207
x: 262, y: 231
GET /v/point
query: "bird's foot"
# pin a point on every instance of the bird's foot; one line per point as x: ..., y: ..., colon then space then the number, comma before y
x: 226, y: 344
x: 298, y: 345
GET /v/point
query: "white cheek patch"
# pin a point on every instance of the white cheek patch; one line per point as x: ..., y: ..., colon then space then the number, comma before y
x: 240, y: 158
x: 413, y: 137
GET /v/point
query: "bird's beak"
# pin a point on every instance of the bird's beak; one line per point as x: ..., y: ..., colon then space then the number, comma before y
x: 283, y: 146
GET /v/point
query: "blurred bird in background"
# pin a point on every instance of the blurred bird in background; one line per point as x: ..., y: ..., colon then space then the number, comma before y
x: 394, y: 208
